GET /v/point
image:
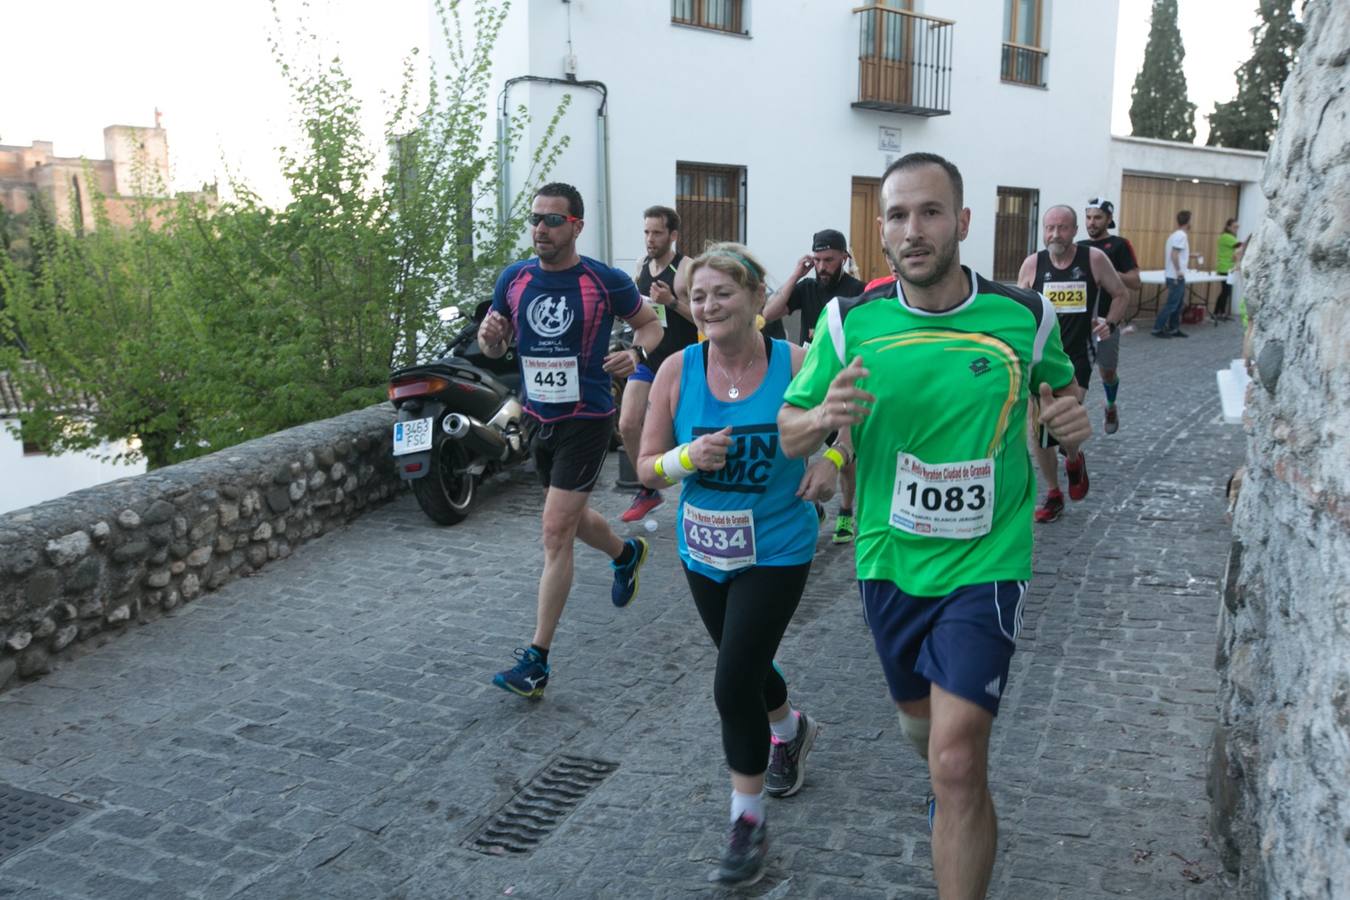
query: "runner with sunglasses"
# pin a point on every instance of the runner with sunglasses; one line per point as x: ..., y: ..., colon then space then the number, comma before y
x: 561, y: 307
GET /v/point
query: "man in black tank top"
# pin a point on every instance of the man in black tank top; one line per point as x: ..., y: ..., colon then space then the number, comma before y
x: 661, y: 280
x: 1099, y: 216
x: 1072, y: 278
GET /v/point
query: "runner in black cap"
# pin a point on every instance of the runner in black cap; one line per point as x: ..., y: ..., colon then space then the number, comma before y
x: 829, y: 254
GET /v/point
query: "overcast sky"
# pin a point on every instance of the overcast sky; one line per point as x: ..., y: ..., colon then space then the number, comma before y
x: 207, y: 66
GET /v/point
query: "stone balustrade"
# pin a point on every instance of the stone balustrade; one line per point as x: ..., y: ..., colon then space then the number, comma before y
x: 90, y: 564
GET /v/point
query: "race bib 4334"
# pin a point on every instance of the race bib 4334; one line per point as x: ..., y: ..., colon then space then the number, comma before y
x: 721, y: 538
x: 946, y: 500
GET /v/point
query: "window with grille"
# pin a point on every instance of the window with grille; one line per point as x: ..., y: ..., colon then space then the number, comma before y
x: 711, y: 202
x: 1014, y: 230
x: 718, y: 15
x: 1023, y: 56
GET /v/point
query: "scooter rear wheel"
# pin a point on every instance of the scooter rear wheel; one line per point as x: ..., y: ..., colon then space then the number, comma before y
x: 448, y: 491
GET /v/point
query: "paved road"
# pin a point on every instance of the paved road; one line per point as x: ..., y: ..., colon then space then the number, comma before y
x: 327, y: 729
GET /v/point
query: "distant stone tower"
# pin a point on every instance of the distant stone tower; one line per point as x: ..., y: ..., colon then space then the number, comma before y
x: 131, y: 183
x: 1280, y: 772
x: 140, y: 158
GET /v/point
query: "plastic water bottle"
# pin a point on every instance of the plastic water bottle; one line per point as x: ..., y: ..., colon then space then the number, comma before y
x: 650, y: 525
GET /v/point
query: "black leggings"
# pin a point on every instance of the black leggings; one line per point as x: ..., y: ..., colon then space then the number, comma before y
x: 746, y: 618
x: 1225, y: 294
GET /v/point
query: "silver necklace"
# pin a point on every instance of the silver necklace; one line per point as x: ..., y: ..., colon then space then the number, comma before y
x: 734, y: 391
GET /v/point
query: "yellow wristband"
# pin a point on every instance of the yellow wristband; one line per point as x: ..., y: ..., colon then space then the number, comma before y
x: 661, y: 470
x: 684, y: 458
x: 835, y: 457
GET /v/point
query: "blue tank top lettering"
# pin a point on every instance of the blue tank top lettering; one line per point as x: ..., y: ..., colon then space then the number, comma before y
x: 759, y: 482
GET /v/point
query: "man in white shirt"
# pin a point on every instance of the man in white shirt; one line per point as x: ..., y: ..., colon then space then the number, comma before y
x: 1176, y: 257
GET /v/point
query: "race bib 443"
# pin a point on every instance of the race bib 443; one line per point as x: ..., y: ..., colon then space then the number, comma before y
x: 551, y: 379
x: 946, y: 500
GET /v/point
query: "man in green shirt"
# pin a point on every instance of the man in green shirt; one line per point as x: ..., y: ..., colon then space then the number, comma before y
x: 929, y: 378
x: 1223, y: 264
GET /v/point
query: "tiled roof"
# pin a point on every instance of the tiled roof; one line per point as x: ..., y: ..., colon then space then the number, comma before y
x: 12, y: 403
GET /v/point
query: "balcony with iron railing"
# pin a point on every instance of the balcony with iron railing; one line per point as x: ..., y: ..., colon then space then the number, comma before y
x: 1023, y: 64
x: 904, y: 61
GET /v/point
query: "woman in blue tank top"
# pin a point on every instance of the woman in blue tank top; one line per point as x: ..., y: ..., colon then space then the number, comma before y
x: 747, y: 528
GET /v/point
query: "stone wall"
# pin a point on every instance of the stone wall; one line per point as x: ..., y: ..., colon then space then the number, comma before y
x: 95, y: 561
x: 1280, y: 773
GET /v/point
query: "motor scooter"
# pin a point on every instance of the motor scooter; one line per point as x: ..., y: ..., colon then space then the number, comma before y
x: 459, y: 421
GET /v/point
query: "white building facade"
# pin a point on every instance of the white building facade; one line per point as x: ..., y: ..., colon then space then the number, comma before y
x: 767, y: 120
x: 29, y: 476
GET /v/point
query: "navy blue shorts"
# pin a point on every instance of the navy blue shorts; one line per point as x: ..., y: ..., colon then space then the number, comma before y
x: 962, y: 642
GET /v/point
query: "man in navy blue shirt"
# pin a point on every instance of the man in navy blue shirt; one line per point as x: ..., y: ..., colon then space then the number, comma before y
x: 561, y: 307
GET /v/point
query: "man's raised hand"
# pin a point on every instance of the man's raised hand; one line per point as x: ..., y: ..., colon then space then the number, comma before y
x: 845, y: 403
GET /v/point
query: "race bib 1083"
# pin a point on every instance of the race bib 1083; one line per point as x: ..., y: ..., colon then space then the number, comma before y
x: 946, y: 500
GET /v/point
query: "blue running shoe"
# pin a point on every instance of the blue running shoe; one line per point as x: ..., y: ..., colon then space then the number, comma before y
x: 528, y: 677
x: 931, y: 803
x: 626, y: 577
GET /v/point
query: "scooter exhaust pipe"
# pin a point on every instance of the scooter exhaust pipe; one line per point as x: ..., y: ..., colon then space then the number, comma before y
x: 477, y: 437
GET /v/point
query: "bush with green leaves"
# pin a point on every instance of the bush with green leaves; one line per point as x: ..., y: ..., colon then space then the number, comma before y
x: 197, y: 328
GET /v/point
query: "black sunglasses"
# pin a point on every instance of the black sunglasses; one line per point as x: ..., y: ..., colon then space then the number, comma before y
x: 552, y: 220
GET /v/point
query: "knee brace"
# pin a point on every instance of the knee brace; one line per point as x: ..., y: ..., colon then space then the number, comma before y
x: 916, y: 730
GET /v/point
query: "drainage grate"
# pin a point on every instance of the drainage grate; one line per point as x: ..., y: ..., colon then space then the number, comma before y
x: 26, y: 818
x: 539, y: 808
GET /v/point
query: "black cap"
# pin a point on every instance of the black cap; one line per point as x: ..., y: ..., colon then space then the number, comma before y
x: 1105, y: 206
x: 829, y: 239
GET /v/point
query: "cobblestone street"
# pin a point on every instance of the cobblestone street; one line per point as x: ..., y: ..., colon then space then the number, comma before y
x: 328, y: 729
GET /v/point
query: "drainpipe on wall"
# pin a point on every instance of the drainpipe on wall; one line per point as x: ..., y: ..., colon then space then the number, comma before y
x: 602, y: 162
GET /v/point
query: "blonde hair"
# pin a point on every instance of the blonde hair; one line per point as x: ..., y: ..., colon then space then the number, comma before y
x: 733, y: 260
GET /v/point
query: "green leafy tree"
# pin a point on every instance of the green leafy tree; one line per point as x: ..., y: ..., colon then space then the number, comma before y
x: 199, y: 328
x: 99, y: 339
x: 1248, y: 121
x: 1158, y: 104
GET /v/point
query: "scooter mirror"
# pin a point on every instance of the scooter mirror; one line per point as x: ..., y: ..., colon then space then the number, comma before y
x: 449, y: 314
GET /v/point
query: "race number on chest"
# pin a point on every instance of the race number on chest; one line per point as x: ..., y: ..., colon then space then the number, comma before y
x: 1067, y: 296
x: 721, y: 538
x: 551, y: 379
x: 946, y: 500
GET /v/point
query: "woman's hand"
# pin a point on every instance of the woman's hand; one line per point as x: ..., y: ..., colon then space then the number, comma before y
x: 820, y: 481
x: 709, y: 452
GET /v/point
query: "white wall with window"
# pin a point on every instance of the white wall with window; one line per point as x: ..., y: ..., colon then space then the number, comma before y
x: 29, y: 477
x: 782, y: 91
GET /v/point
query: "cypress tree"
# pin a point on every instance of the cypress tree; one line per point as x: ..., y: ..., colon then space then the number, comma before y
x: 1248, y: 121
x: 1158, y: 104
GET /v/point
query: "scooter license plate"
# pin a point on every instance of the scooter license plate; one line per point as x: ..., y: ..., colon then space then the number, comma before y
x: 412, y: 436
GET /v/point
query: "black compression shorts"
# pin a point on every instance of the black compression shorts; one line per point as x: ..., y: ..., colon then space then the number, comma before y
x: 570, y: 453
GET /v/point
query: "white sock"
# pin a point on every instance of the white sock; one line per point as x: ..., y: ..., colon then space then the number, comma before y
x: 747, y: 804
x: 785, y: 729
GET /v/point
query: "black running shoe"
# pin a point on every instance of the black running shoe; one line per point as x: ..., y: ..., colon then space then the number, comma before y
x: 743, y: 860
x: 787, y: 759
x: 625, y: 586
